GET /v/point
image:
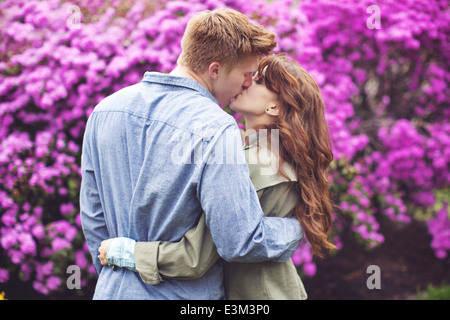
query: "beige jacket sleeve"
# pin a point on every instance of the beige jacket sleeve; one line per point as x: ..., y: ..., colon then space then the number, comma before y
x: 189, y: 258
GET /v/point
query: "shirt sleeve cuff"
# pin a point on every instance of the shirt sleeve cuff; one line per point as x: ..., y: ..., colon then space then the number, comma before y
x: 121, y: 253
x: 294, y: 234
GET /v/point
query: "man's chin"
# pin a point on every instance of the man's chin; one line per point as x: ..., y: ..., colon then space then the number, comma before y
x: 225, y: 103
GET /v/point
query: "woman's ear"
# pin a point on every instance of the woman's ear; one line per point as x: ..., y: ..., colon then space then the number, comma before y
x: 273, y: 109
x: 213, y: 70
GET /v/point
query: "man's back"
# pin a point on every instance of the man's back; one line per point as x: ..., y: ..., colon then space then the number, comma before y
x: 145, y: 144
x: 155, y: 156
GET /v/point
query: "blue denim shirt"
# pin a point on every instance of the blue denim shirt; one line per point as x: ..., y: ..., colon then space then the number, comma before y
x: 155, y: 156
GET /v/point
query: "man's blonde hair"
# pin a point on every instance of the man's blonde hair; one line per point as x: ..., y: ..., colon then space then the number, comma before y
x: 225, y: 36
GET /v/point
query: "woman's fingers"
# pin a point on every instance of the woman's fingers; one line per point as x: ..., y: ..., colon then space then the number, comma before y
x: 103, y: 252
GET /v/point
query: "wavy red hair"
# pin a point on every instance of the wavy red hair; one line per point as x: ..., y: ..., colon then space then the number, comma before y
x: 304, y: 143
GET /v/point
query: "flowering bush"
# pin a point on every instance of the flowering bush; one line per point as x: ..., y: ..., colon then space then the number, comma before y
x: 385, y: 90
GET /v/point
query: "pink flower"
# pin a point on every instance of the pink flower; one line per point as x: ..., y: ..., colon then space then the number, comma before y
x: 4, y: 275
x: 39, y: 287
x: 44, y: 269
x: 364, y: 202
x: 38, y: 231
x: 52, y: 80
x: 60, y: 244
x: 53, y: 283
x: 80, y: 259
x: 27, y: 244
x: 309, y: 269
x: 67, y: 208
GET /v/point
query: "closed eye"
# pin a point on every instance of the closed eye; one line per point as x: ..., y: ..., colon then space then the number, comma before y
x: 258, y: 80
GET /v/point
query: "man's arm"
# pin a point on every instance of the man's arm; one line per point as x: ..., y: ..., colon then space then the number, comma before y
x: 234, y: 216
x: 91, y: 211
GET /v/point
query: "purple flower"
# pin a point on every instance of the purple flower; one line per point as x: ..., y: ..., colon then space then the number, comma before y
x: 66, y: 208
x: 80, y: 259
x: 309, y: 269
x: 60, y: 244
x: 38, y: 231
x: 9, y: 218
x: 364, y: 202
x: 27, y: 244
x: 392, y: 140
x: 39, y: 287
x: 4, y: 275
x: 53, y: 283
x: 43, y: 270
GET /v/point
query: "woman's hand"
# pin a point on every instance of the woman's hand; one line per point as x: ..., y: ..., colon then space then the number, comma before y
x: 103, y: 250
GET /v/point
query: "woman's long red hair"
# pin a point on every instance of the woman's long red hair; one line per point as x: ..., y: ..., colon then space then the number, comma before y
x: 304, y: 143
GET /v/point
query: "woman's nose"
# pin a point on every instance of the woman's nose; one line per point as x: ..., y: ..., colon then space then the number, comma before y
x: 248, y: 82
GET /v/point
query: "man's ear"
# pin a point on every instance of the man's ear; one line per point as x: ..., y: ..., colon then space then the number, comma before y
x: 213, y: 70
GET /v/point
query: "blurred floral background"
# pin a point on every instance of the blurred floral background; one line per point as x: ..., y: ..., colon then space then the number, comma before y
x: 383, y: 68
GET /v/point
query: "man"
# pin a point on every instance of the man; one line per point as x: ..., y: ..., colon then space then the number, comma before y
x: 134, y: 184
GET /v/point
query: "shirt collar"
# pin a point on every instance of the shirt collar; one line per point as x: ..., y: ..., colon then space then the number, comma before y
x: 162, y: 78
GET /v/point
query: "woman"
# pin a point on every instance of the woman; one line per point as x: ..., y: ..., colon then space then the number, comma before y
x: 288, y: 151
